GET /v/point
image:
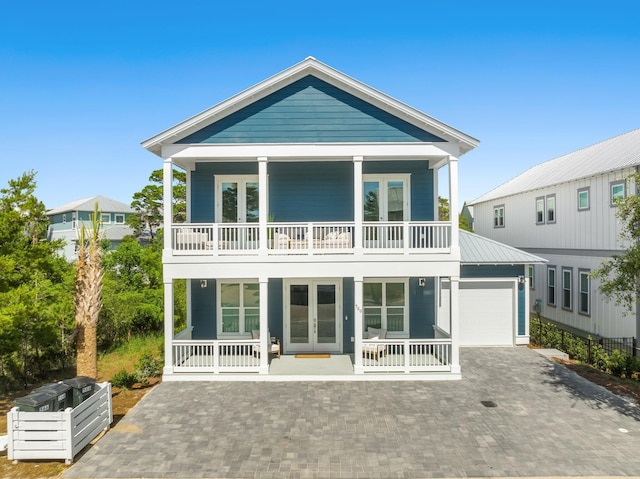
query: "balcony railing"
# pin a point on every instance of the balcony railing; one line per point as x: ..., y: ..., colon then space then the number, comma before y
x: 310, y: 238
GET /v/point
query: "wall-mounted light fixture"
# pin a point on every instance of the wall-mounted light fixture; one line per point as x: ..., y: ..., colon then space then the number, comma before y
x: 203, y: 283
x: 521, y: 279
x: 421, y: 282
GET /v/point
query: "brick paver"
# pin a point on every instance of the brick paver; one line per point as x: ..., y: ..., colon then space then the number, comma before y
x: 547, y: 422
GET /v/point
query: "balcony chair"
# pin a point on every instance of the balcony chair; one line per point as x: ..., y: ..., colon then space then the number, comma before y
x: 274, y: 344
x: 375, y: 350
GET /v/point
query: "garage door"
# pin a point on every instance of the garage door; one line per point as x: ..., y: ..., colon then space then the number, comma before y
x: 486, y: 313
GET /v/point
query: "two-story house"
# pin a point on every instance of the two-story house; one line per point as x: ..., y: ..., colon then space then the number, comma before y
x: 312, y: 204
x: 65, y: 221
x: 565, y: 211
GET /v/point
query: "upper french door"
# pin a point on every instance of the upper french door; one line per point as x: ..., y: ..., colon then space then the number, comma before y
x: 312, y: 316
x: 386, y: 198
x: 237, y: 199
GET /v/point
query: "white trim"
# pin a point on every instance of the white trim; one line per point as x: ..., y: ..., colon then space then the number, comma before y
x: 116, y: 216
x: 404, y: 334
x: 241, y: 308
x: 102, y: 221
x: 241, y: 181
x: 384, y: 179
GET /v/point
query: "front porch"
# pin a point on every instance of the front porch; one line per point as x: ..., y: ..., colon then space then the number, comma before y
x: 239, y: 360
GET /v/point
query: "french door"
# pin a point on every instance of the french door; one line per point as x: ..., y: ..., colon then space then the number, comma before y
x: 386, y: 201
x: 237, y: 203
x: 312, y: 316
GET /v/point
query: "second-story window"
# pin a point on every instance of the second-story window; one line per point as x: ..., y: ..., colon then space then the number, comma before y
x: 551, y: 209
x: 617, y: 191
x: 498, y: 216
x: 105, y: 218
x: 583, y: 199
x: 540, y: 210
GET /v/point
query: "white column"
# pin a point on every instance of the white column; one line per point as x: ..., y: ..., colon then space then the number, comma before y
x: 358, y: 320
x: 527, y: 292
x: 263, y: 213
x: 358, y: 207
x: 265, y: 340
x: 453, y: 204
x: 168, y: 328
x: 188, y: 188
x: 454, y: 311
x: 167, y: 199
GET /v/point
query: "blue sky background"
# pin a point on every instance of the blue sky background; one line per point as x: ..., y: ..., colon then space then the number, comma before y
x: 83, y: 83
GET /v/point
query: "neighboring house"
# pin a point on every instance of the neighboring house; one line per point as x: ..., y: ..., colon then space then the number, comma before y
x: 312, y: 211
x: 467, y: 214
x: 564, y: 210
x: 66, y: 220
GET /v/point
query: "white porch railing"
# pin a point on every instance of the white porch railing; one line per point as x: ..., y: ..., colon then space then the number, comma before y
x: 310, y: 238
x: 216, y: 356
x: 406, y: 355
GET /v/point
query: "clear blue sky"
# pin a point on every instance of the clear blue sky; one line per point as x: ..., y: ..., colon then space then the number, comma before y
x: 83, y: 83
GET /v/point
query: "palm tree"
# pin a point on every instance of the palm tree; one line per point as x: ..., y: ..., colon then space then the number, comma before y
x: 88, y: 297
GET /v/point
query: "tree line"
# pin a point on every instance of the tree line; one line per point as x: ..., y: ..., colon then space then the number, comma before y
x: 39, y: 323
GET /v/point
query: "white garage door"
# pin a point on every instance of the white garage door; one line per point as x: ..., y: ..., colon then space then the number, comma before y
x: 486, y: 313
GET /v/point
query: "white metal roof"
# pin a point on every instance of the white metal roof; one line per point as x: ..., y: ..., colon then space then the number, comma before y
x: 616, y: 153
x: 476, y: 249
x: 106, y: 205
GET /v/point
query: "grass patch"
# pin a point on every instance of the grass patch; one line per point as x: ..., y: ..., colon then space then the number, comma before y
x: 127, y: 355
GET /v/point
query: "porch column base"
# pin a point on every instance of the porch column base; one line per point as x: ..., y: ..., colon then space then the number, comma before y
x: 167, y: 370
x: 358, y: 370
x: 263, y: 369
x: 455, y: 369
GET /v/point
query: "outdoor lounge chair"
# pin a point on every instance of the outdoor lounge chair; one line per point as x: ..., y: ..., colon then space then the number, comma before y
x: 375, y: 350
x: 274, y: 344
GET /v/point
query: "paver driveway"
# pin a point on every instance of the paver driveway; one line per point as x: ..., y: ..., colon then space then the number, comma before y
x: 547, y: 422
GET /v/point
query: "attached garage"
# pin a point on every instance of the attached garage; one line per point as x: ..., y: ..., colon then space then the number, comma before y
x: 488, y: 313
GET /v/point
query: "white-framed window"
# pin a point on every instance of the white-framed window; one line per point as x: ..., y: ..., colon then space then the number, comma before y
x: 584, y: 199
x: 498, y: 216
x: 119, y: 218
x: 567, y: 288
x: 386, y: 306
x: 551, y: 285
x: 584, y: 302
x: 64, y: 219
x: 532, y: 271
x: 551, y: 208
x: 105, y: 218
x: 237, y: 198
x: 617, y: 189
x: 238, y: 307
x: 74, y: 221
x: 540, y: 210
x: 386, y: 197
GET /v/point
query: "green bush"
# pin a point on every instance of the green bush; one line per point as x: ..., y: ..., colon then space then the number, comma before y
x: 123, y: 379
x: 148, y: 367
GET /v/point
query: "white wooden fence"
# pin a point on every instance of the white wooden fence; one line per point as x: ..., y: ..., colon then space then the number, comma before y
x: 62, y: 434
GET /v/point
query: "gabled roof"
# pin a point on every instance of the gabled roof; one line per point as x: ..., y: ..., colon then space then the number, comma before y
x: 310, y: 66
x: 106, y: 205
x: 616, y: 153
x: 476, y: 250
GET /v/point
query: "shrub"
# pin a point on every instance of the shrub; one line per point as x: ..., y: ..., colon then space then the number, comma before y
x: 123, y: 379
x: 148, y: 367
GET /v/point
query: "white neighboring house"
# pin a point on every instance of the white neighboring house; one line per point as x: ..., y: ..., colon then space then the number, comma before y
x: 564, y: 210
x: 66, y: 221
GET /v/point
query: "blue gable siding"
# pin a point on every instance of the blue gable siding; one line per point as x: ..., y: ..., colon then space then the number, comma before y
x: 422, y: 207
x: 314, y: 191
x: 310, y: 111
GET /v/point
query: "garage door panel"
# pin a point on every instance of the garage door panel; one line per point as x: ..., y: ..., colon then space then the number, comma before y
x: 486, y: 313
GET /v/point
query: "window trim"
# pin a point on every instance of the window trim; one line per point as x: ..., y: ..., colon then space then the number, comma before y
x: 119, y: 215
x: 405, y: 320
x: 554, y: 286
x: 64, y: 218
x: 567, y: 288
x: 532, y: 276
x: 497, y: 208
x: 547, y: 198
x: 241, y: 307
x: 102, y: 221
x: 540, y: 212
x: 584, y: 272
x: 384, y: 179
x: 613, y: 184
x: 586, y: 190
